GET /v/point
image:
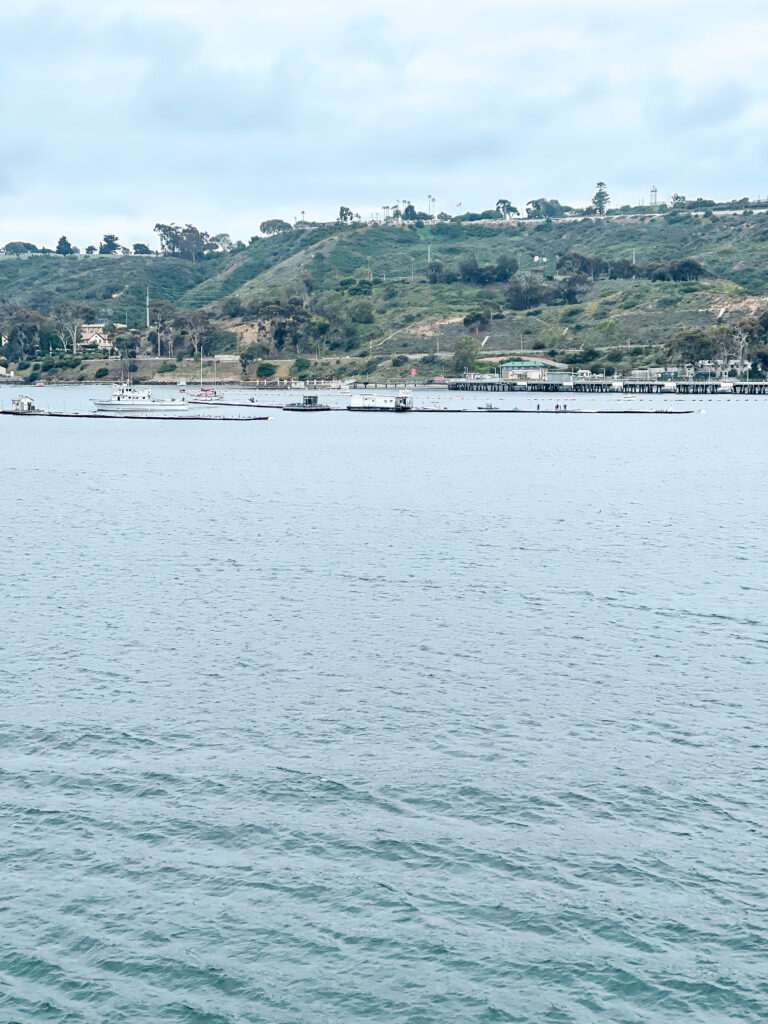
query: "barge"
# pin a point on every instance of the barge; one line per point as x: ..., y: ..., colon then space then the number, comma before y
x: 382, y: 403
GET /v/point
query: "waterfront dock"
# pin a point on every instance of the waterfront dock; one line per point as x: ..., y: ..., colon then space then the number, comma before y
x: 609, y: 387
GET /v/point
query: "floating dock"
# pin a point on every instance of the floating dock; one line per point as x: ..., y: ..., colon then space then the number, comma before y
x: 530, y: 412
x: 131, y: 416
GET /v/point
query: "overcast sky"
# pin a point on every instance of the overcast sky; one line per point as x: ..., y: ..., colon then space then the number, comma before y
x: 116, y: 114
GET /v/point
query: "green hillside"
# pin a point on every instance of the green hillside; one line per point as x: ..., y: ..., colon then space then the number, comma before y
x: 376, y: 291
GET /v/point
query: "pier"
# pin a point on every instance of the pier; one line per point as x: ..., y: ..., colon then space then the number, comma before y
x: 626, y: 387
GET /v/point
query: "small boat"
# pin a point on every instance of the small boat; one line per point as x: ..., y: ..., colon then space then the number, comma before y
x: 488, y: 407
x: 308, y: 404
x: 128, y: 399
x: 402, y: 402
x: 206, y: 396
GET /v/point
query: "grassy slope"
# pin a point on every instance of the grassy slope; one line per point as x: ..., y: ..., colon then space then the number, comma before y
x: 415, y: 316
x: 105, y: 282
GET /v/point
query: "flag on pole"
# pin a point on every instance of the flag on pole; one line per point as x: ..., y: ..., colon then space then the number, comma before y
x: 458, y: 204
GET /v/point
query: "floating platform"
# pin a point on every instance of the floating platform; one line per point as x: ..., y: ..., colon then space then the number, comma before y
x: 576, y: 412
x: 523, y: 412
x: 221, y: 405
x: 173, y: 418
x: 309, y: 403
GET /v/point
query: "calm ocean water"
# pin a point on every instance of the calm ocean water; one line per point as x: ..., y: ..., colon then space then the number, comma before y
x: 420, y: 719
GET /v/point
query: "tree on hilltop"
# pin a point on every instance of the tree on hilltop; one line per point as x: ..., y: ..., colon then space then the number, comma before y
x: 345, y: 215
x: 274, y: 226
x: 601, y: 199
x: 540, y: 209
x: 506, y: 209
x: 188, y: 242
x: 19, y: 248
x: 141, y: 249
x: 109, y: 245
x: 65, y: 248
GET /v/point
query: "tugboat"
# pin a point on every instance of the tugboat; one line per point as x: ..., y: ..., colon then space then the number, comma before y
x: 308, y: 404
x: 382, y: 403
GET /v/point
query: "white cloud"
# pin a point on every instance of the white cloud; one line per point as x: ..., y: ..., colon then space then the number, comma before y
x: 119, y: 114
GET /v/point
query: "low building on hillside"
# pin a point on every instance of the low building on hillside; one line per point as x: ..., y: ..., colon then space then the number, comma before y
x: 95, y: 336
x: 524, y: 369
x: 96, y: 339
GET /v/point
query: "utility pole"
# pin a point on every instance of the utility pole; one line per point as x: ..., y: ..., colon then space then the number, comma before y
x: 413, y: 261
x: 429, y: 254
x: 147, y: 307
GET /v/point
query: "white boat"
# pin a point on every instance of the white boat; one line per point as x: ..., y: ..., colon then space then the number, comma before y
x: 206, y: 396
x: 128, y: 400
